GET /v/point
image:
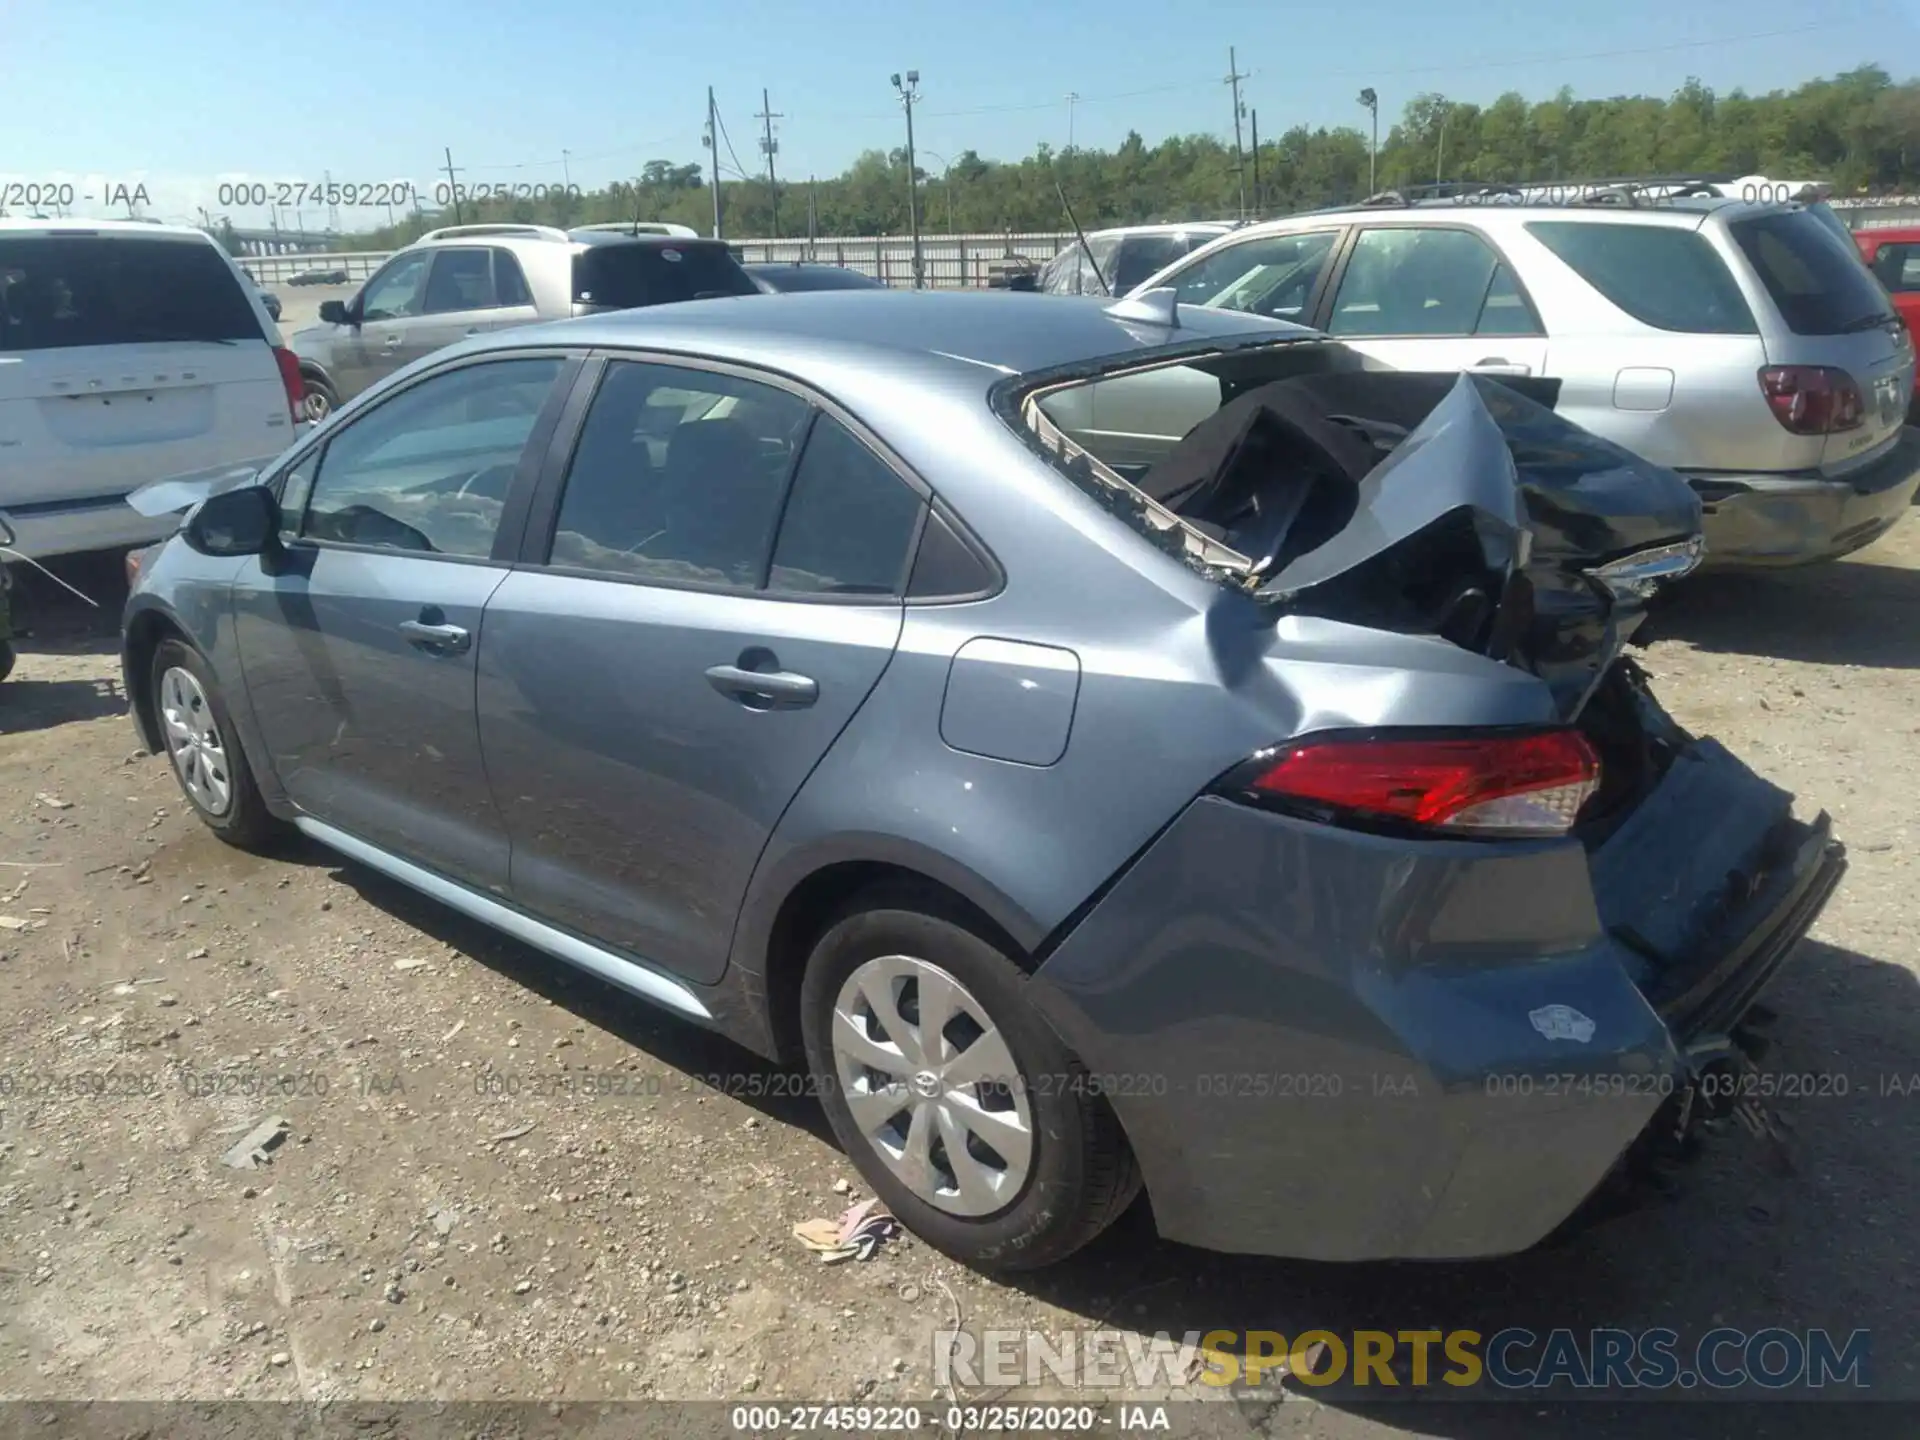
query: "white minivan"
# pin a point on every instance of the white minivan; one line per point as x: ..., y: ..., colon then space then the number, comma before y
x: 129, y: 352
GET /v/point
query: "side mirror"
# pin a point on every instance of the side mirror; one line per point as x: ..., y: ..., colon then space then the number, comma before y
x: 235, y: 522
x: 334, y: 312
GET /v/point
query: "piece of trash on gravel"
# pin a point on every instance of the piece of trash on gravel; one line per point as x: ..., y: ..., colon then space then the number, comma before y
x: 14, y: 922
x: 256, y: 1147
x: 856, y: 1235
x: 408, y: 964
x: 52, y: 802
x: 513, y: 1134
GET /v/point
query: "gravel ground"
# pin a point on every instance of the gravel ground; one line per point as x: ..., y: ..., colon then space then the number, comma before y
x: 502, y: 1180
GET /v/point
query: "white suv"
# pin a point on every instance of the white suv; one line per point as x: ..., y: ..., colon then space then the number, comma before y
x: 129, y: 352
x: 1743, y: 345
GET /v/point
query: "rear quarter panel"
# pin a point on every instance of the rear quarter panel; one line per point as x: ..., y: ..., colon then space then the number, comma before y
x: 1179, y: 679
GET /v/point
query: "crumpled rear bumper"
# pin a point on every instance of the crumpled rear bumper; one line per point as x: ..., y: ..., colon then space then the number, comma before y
x: 1775, y: 520
x: 1340, y: 1046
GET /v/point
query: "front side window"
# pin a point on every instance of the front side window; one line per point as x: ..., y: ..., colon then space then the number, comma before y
x: 678, y: 476
x: 429, y: 469
x: 1274, y: 275
x: 460, y: 280
x: 398, y: 290
x: 1661, y: 275
x: 1422, y: 281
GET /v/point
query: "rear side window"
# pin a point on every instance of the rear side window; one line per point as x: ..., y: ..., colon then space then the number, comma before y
x: 509, y: 281
x: 1142, y: 256
x: 1668, y: 278
x: 63, y: 292
x: 1820, y: 287
x: 849, y: 520
x: 460, y: 280
x: 621, y: 277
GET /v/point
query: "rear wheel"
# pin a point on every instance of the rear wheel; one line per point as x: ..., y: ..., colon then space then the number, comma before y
x: 6, y: 658
x: 206, y: 755
x: 959, y: 1105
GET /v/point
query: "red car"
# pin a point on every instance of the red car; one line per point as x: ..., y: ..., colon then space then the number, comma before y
x: 1893, y: 254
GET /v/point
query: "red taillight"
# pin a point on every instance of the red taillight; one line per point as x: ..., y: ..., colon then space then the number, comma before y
x: 1813, y: 399
x: 289, y: 364
x: 1531, y: 784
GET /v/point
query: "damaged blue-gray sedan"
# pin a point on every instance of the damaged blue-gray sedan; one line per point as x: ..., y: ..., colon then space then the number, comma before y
x: 1265, y: 814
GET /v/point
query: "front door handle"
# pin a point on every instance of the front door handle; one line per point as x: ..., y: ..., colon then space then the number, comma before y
x: 774, y: 689
x: 391, y: 342
x: 1499, y: 365
x: 436, y: 639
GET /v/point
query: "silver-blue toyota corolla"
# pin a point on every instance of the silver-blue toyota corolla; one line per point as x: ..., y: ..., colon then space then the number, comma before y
x: 1261, y: 810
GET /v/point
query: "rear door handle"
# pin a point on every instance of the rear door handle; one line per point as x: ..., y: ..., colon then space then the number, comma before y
x: 1499, y: 365
x: 779, y: 689
x: 436, y: 639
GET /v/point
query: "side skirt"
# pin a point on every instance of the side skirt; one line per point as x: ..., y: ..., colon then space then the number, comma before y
x: 629, y: 975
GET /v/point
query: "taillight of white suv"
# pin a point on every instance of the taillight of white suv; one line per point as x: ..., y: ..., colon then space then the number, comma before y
x: 1813, y: 399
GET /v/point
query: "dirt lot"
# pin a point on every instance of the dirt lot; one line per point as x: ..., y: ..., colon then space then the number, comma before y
x: 507, y: 1181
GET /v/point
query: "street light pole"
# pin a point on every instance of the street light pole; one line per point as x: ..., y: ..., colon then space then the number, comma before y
x: 909, y: 95
x: 1372, y: 102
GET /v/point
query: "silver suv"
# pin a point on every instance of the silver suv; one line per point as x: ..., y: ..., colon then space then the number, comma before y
x: 468, y: 279
x: 1741, y: 344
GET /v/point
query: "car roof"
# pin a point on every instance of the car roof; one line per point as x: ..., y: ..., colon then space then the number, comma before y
x: 1898, y: 234
x: 144, y: 229
x: 812, y: 333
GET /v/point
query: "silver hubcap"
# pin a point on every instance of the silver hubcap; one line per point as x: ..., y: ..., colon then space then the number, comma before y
x: 317, y: 405
x: 932, y: 1085
x: 193, y: 740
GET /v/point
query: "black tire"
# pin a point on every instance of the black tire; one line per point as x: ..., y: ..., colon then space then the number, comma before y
x: 320, y: 390
x: 245, y: 821
x: 1082, y: 1175
x: 6, y: 658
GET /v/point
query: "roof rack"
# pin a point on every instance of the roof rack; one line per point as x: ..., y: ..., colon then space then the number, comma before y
x: 639, y: 227
x: 452, y: 232
x: 1629, y: 190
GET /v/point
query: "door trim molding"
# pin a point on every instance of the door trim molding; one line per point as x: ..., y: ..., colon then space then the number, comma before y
x: 629, y: 975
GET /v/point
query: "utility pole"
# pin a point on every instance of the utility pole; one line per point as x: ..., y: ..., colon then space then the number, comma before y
x: 909, y: 94
x: 712, y: 141
x: 766, y: 117
x: 1073, y: 99
x: 1372, y: 101
x: 1440, y: 152
x: 1255, y: 117
x: 566, y: 170
x: 453, y: 189
x: 1234, y: 77
x: 812, y: 218
x: 333, y: 206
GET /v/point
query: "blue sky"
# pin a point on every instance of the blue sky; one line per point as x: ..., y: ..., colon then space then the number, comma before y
x: 183, y: 92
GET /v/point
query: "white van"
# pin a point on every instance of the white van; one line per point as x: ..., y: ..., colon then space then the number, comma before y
x: 129, y: 352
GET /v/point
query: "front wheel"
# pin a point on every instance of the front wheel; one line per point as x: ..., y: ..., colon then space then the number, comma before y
x: 206, y: 755
x: 959, y: 1105
x: 320, y: 400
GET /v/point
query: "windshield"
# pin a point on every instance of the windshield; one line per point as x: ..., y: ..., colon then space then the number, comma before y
x: 60, y: 292
x: 619, y: 277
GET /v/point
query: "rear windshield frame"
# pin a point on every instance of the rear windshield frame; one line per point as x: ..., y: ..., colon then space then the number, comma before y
x: 640, y: 272
x: 87, y: 290
x: 1615, y: 277
x: 1787, y: 250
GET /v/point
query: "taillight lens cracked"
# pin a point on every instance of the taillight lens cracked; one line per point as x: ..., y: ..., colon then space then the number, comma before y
x: 1497, y: 784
